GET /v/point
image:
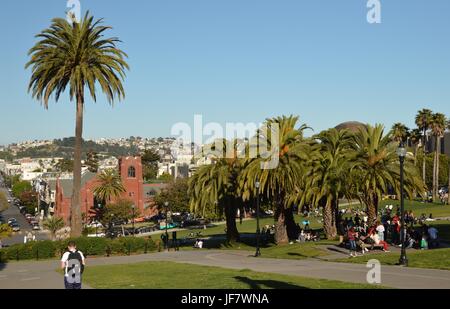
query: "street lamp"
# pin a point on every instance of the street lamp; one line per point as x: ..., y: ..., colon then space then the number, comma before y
x: 132, y: 219
x: 166, y: 204
x: 258, y: 230
x: 402, y: 155
x: 111, y: 226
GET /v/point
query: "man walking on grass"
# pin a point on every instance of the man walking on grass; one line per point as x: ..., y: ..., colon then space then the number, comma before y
x: 73, y: 263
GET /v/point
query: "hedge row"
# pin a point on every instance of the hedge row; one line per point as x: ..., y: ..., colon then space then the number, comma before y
x: 89, y: 246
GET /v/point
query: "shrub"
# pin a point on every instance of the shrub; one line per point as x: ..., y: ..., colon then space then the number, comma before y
x: 130, y: 245
x: 3, y: 256
x: 20, y: 252
x: 44, y: 249
x: 89, y: 246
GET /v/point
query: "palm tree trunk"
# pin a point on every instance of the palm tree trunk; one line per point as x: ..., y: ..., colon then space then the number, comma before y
x: 438, y: 163
x: 424, y: 168
x: 230, y: 216
x: 328, y: 227
x: 281, y: 233
x: 435, y: 164
x: 448, y: 193
x: 75, y: 216
x: 372, y: 209
x: 424, y: 163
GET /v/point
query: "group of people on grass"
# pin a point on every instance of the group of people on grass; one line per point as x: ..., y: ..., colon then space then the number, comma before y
x: 358, y: 235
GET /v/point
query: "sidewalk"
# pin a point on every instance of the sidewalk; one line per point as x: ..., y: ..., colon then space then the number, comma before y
x: 29, y: 275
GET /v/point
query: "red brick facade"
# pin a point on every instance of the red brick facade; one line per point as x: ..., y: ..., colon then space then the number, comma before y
x: 130, y: 169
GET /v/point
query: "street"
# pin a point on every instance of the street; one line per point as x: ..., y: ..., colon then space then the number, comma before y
x: 13, y: 212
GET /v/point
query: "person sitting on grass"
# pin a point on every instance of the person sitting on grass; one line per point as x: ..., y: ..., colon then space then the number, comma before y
x: 378, y: 242
x: 198, y: 244
x: 380, y: 230
x: 360, y: 241
x: 302, y: 236
x: 433, y: 240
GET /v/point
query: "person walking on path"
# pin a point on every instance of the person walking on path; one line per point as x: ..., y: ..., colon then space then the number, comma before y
x: 73, y: 263
x: 175, y: 241
x: 351, y: 235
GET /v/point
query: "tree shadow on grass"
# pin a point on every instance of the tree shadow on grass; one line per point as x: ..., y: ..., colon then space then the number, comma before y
x: 265, y: 284
x: 219, y: 241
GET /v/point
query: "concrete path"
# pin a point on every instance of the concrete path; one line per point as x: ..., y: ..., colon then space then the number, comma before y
x: 29, y: 275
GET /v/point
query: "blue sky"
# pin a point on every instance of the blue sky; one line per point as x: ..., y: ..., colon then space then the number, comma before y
x: 240, y: 61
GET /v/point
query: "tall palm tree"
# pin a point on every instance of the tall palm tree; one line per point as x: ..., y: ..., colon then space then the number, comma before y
x: 438, y: 125
x: 400, y: 132
x: 332, y: 174
x: 215, y: 186
x: 77, y: 56
x: 53, y: 225
x: 277, y: 183
x: 416, y: 141
x: 109, y: 186
x: 423, y: 121
x: 376, y: 169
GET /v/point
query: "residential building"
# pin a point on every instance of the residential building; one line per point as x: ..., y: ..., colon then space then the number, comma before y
x: 130, y: 170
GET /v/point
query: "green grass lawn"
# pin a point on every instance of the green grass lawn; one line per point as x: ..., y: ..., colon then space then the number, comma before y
x: 247, y: 226
x: 434, y: 259
x: 170, y: 275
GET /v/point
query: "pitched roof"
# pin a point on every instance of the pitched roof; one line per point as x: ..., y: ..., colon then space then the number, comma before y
x: 67, y: 184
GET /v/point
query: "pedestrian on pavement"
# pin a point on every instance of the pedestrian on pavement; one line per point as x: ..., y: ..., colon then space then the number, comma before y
x: 175, y: 241
x: 165, y: 240
x: 73, y: 263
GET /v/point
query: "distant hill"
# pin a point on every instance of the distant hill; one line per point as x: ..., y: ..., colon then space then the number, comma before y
x: 64, y: 148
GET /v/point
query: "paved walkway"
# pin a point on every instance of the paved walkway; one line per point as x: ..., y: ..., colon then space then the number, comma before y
x: 29, y: 275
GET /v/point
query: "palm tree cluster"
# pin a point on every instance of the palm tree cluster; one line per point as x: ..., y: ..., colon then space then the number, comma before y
x: 315, y: 171
x: 429, y: 125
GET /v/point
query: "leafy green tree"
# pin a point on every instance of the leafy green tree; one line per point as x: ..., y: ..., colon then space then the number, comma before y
x: 122, y: 210
x: 65, y: 166
x: 176, y: 194
x: 166, y: 177
x: 53, y: 225
x: 3, y: 202
x: 109, y: 186
x: 77, y: 56
x: 92, y: 161
x: 10, y: 181
x: 29, y: 199
x: 5, y: 231
x: 150, y: 159
x: 20, y: 187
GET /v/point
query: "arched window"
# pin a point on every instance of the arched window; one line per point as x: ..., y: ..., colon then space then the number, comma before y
x: 131, y: 172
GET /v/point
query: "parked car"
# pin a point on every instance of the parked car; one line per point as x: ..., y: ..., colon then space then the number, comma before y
x: 12, y: 220
x: 15, y: 227
x: 36, y: 227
